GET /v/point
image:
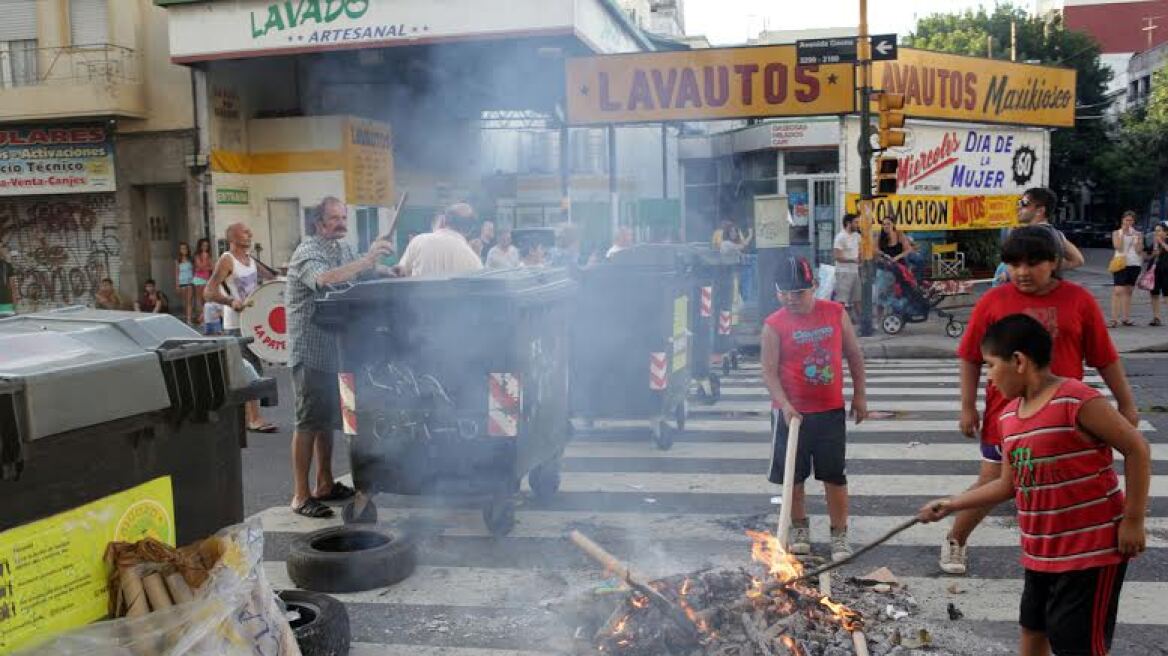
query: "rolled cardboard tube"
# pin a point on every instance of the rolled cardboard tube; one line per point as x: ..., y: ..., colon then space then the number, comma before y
x: 156, y: 592
x: 133, y: 595
x: 179, y: 590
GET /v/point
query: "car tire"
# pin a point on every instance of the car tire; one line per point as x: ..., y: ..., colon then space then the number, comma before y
x: 350, y: 559
x: 321, y: 625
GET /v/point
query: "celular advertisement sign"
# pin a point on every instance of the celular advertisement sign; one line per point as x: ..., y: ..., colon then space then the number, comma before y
x: 56, y: 160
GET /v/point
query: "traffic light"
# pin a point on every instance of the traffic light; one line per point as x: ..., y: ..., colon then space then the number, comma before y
x: 886, y: 168
x: 891, y: 119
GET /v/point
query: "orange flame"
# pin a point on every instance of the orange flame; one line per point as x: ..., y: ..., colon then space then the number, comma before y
x: 791, y: 645
x: 767, y: 550
x: 620, y: 626
x: 847, y: 617
x: 685, y: 587
x: 640, y: 601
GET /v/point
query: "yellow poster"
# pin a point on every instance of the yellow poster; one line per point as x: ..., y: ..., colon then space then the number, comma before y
x: 944, y: 212
x: 52, y: 574
x: 368, y: 163
x: 979, y: 90
x: 680, y: 331
x: 704, y: 84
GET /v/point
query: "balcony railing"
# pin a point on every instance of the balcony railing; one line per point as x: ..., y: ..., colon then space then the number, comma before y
x: 68, y: 65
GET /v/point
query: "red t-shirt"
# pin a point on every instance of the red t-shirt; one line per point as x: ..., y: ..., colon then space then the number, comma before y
x: 1074, y: 320
x: 1068, y: 496
x: 811, y: 356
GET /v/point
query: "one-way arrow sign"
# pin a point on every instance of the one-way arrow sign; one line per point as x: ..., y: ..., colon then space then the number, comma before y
x: 883, y: 47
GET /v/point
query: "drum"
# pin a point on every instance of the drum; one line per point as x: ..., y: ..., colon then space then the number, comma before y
x: 264, y: 320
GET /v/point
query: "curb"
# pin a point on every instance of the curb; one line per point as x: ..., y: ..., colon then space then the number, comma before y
x: 885, y: 351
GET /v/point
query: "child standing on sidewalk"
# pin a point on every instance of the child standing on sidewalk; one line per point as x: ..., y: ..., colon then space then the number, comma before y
x: 1078, y: 530
x: 803, y: 345
x: 1073, y: 318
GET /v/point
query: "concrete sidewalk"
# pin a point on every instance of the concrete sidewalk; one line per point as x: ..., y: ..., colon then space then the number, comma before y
x: 928, y: 339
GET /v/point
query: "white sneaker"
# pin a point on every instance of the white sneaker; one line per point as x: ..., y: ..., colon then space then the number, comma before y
x: 800, y: 540
x: 952, y: 557
x: 840, y: 549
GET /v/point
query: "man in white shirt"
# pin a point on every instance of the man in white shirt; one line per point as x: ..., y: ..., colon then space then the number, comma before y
x: 503, y: 255
x: 445, y: 251
x: 846, y: 249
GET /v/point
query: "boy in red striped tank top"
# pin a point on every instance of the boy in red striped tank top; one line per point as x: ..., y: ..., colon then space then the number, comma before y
x: 1078, y: 529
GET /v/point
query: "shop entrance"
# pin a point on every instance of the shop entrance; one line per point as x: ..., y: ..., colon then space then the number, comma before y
x: 814, y: 203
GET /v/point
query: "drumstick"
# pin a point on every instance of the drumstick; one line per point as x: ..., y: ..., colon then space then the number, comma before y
x: 401, y: 202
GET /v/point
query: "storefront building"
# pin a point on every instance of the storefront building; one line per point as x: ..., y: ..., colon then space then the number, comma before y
x: 96, y: 132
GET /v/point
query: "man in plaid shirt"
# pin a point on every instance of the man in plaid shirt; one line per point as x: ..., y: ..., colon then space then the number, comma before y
x: 322, y: 259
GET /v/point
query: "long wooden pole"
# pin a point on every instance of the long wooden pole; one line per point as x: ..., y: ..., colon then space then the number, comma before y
x: 784, y: 528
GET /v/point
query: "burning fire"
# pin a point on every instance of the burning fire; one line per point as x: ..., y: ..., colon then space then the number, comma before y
x: 847, y: 617
x: 767, y: 550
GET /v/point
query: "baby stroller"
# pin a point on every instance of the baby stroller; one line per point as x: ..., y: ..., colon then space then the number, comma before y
x: 905, y: 301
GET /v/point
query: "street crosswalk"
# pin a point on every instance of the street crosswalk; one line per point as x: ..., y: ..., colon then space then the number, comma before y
x: 688, y: 508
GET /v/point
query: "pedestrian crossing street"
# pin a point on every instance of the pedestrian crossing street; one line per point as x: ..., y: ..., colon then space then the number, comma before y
x: 685, y: 509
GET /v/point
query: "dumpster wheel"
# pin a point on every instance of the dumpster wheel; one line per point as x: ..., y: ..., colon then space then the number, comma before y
x: 715, y: 389
x: 368, y: 514
x: 499, y: 516
x: 726, y: 365
x: 544, y: 479
x: 662, y: 435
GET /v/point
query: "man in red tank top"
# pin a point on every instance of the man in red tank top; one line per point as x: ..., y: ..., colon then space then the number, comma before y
x: 803, y: 347
x: 1078, y: 527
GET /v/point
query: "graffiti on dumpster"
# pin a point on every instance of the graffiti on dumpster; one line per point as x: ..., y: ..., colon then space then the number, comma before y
x: 61, y: 249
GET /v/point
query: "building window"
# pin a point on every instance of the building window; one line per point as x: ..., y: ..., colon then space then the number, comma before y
x: 18, y: 44
x: 18, y: 63
x: 88, y: 22
x: 367, y: 228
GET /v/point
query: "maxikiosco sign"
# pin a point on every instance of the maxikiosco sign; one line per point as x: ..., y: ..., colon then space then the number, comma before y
x: 56, y: 159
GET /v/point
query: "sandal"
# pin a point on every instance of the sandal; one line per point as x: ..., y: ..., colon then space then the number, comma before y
x: 1128, y: 323
x: 1113, y: 324
x: 340, y: 492
x: 1155, y: 322
x: 313, y: 509
x: 266, y: 427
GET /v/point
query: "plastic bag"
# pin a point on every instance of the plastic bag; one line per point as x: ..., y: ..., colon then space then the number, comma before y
x: 235, y: 613
x: 826, y: 274
x: 1147, y: 279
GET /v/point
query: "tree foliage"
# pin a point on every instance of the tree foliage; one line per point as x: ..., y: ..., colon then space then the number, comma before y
x: 1078, y: 154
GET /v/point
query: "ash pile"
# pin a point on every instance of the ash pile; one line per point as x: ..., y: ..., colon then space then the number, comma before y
x: 765, y: 609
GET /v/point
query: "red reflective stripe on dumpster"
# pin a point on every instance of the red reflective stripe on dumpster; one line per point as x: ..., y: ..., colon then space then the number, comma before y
x: 348, y: 387
x: 504, y: 403
x: 725, y: 320
x: 658, y: 371
x: 707, y: 301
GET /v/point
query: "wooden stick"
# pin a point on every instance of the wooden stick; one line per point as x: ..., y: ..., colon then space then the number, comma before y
x: 825, y: 584
x: 156, y: 592
x: 788, y: 481
x: 859, y: 552
x: 612, y: 564
x: 133, y: 596
x: 860, y: 643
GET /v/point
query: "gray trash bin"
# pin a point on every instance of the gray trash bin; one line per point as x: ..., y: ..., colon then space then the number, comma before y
x: 93, y: 402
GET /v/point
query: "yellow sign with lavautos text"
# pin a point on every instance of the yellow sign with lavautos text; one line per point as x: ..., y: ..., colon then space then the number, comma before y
x: 52, y: 572
x: 911, y: 213
x: 705, y: 84
x: 979, y: 90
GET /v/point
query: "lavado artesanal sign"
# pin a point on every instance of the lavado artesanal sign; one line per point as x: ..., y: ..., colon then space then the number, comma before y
x: 705, y: 84
x: 958, y: 88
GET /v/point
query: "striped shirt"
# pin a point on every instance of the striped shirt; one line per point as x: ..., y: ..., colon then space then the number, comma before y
x: 1068, y: 496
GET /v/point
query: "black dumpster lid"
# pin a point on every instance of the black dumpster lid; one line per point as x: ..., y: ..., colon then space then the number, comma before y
x: 710, y: 256
x: 665, y: 256
x: 523, y: 283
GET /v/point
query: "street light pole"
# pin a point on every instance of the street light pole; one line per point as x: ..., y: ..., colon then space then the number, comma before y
x: 867, y: 254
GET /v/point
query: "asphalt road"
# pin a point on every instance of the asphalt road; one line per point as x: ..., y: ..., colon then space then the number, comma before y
x: 676, y: 511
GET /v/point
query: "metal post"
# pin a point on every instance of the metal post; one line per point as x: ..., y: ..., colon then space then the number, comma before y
x: 867, y: 269
x: 613, y: 192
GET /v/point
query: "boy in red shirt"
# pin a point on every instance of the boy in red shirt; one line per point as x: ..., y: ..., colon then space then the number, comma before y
x: 1072, y: 316
x: 1078, y: 530
x: 803, y: 345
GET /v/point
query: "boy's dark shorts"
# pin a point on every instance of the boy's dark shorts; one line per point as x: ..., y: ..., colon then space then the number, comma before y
x: 822, y: 444
x: 318, y: 399
x: 1076, y: 610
